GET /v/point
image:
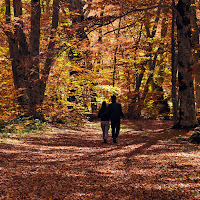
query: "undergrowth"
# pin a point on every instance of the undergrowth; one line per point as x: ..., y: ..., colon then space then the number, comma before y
x: 21, y: 125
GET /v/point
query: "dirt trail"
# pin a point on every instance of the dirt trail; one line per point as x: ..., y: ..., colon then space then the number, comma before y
x: 148, y: 162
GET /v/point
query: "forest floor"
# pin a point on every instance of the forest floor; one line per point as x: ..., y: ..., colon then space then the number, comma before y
x: 150, y: 161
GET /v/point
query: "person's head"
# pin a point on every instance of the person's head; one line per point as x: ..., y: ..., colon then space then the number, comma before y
x: 103, y: 104
x: 113, y: 98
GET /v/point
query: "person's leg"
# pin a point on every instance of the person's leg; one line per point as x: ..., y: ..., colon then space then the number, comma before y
x: 113, y: 126
x: 106, y: 130
x: 117, y: 128
x: 102, y: 126
x: 103, y: 129
x: 113, y: 129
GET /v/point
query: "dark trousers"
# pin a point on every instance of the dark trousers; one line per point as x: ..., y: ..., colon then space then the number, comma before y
x: 115, y: 125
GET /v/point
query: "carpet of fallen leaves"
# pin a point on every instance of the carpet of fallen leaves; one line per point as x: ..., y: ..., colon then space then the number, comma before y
x: 150, y: 161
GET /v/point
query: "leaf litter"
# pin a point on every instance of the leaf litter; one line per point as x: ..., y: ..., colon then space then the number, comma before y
x: 66, y: 163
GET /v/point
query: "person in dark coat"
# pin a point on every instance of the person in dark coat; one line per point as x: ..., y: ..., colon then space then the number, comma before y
x: 115, y: 113
x: 104, y: 121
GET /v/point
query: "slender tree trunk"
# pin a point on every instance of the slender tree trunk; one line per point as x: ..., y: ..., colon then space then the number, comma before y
x: 115, y: 65
x: 134, y: 110
x: 187, y: 114
x: 18, y: 48
x: 135, y: 106
x: 51, y: 51
x: 150, y: 77
x: 174, y: 70
x: 77, y: 6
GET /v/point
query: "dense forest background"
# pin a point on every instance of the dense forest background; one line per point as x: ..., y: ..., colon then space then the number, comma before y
x: 59, y: 59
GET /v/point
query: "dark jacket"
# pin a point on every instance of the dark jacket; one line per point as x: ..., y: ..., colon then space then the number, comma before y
x: 115, y: 111
x: 103, y: 114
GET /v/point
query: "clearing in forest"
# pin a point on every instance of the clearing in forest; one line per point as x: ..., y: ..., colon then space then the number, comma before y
x: 150, y: 161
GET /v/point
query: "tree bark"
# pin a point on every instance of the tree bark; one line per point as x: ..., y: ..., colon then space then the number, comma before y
x: 18, y: 51
x: 174, y: 70
x: 196, y: 56
x: 25, y: 58
x: 51, y: 51
x: 187, y: 114
x: 76, y: 6
x: 34, y: 79
x: 134, y: 109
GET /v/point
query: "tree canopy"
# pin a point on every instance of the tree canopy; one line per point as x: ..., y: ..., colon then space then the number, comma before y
x: 60, y: 59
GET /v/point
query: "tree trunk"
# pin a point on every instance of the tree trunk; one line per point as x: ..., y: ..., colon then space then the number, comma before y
x: 51, y: 52
x: 135, y: 106
x: 34, y: 79
x: 196, y: 56
x: 187, y: 114
x: 25, y: 58
x: 76, y: 6
x: 18, y: 52
x: 174, y: 70
x: 197, y: 87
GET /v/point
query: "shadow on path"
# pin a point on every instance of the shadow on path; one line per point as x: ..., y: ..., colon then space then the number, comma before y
x: 148, y: 162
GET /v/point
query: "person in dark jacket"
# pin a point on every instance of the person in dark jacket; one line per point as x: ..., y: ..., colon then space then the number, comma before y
x: 104, y: 121
x: 115, y: 113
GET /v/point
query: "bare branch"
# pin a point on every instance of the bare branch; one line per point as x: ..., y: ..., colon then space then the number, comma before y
x: 114, y: 18
x: 119, y: 28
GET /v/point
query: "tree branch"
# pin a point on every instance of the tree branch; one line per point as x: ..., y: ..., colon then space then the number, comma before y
x: 129, y: 12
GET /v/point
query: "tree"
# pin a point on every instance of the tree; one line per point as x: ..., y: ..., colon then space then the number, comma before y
x: 185, y: 39
x: 187, y: 113
x: 135, y: 36
x: 196, y: 52
x: 174, y: 68
x: 29, y: 79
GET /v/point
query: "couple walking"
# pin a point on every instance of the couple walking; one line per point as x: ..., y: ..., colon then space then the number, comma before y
x: 113, y: 112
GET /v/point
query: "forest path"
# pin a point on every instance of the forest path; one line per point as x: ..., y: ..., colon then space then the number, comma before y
x: 148, y: 162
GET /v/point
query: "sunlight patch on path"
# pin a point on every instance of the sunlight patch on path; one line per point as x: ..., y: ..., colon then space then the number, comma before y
x: 75, y: 164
